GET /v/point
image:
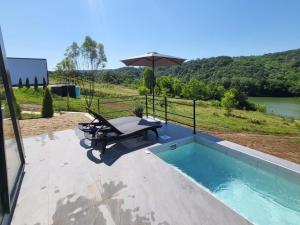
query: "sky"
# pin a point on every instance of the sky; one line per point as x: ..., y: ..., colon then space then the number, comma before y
x: 185, y: 28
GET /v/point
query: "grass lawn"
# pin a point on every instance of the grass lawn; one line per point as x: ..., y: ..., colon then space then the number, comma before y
x: 208, y: 117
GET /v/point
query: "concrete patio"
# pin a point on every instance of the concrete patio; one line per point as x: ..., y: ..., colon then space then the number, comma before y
x: 66, y: 182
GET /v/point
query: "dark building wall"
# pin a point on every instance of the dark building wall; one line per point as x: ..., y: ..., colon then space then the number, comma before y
x: 27, y: 68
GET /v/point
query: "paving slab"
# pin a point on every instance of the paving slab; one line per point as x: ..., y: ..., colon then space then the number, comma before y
x: 68, y: 182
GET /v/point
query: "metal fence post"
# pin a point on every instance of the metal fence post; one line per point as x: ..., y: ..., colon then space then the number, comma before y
x: 194, y: 116
x: 147, y: 105
x: 166, y: 110
x: 98, y: 105
x: 153, y: 107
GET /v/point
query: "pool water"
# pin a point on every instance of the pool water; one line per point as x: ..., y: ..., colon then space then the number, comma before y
x: 258, y: 195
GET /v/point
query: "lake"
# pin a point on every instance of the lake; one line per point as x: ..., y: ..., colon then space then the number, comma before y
x: 289, y: 107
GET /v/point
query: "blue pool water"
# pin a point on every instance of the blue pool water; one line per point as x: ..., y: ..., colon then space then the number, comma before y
x: 259, y: 195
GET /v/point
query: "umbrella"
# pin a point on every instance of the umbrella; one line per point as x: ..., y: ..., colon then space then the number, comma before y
x: 153, y: 59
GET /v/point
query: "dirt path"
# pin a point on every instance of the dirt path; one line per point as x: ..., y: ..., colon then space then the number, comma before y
x: 287, y: 147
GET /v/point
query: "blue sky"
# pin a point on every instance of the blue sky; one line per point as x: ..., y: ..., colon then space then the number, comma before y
x: 186, y: 28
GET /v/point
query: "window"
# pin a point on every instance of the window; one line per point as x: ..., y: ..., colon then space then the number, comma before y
x: 11, y: 147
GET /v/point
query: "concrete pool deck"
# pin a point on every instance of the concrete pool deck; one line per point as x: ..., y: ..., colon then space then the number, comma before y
x: 66, y: 182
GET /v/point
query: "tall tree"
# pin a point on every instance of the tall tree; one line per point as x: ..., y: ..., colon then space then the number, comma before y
x: 87, y: 60
x: 47, y: 106
x: 148, y: 78
x: 44, y: 83
x: 27, y: 83
x: 20, y: 83
x: 65, y: 69
x: 36, y: 84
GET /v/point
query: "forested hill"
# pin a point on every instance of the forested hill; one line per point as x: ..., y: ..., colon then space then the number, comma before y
x: 276, y: 74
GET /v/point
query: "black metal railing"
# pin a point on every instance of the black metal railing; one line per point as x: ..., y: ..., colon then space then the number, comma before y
x: 168, y: 113
x: 111, y: 105
x: 162, y: 107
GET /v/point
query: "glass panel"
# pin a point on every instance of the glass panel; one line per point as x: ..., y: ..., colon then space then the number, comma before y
x: 13, y: 161
x: 1, y: 184
x: 1, y: 209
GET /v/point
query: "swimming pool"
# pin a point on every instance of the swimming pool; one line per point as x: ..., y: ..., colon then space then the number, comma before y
x: 260, y: 191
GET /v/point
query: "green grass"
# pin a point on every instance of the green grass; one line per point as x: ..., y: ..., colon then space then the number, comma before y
x: 208, y: 117
x: 213, y: 118
x: 26, y: 116
x: 295, y: 141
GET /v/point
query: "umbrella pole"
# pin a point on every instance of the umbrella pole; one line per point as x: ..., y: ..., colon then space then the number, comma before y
x: 153, y: 108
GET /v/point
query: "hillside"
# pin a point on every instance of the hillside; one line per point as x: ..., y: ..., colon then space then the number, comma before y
x: 275, y: 74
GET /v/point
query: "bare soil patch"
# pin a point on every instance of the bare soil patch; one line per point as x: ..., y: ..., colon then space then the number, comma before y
x: 31, y: 107
x: 63, y: 121
x: 286, y: 147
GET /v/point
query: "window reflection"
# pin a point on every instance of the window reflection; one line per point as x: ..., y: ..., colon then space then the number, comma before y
x: 13, y: 161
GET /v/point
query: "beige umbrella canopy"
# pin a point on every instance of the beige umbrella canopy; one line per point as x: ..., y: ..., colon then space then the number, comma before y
x: 153, y: 59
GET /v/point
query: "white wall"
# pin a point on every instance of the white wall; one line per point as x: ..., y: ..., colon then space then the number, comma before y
x: 31, y: 68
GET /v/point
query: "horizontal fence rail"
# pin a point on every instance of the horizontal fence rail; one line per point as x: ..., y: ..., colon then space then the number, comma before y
x: 167, y: 110
x: 161, y: 107
x: 118, y: 105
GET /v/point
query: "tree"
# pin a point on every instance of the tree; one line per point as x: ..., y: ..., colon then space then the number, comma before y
x: 65, y: 68
x: 89, y: 58
x: 27, y: 83
x: 20, y: 83
x: 177, y: 86
x: 44, y: 83
x: 215, y: 91
x: 194, y: 89
x: 229, y: 101
x: 165, y: 85
x: 36, y: 84
x: 148, y: 79
x: 73, y: 54
x: 47, y: 107
x: 143, y: 90
x: 242, y: 100
x: 94, y: 59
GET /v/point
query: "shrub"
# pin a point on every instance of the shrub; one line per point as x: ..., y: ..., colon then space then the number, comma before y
x: 261, y: 108
x: 20, y: 85
x: 27, y: 83
x: 215, y: 114
x: 44, y: 83
x: 143, y: 90
x: 215, y: 91
x: 229, y: 101
x: 17, y: 107
x: 138, y: 109
x: 194, y: 89
x: 257, y: 121
x: 242, y: 101
x: 162, y: 103
x: 47, y: 107
x: 36, y: 84
x: 215, y: 103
